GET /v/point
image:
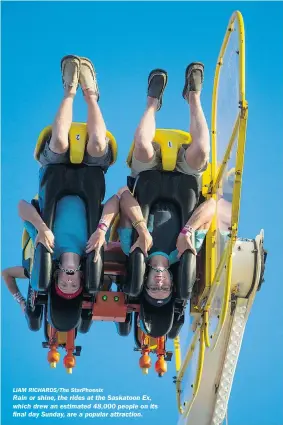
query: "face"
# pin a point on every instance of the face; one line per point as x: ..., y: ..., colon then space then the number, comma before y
x: 159, y: 284
x: 69, y: 284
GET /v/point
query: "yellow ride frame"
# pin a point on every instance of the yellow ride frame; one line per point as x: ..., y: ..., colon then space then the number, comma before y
x: 213, y: 273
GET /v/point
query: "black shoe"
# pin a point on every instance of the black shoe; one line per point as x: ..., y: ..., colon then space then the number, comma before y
x: 157, y: 81
x: 193, y: 78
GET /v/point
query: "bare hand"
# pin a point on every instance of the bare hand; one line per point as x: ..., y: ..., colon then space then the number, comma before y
x: 184, y: 243
x: 45, y: 237
x: 95, y: 242
x: 144, y: 242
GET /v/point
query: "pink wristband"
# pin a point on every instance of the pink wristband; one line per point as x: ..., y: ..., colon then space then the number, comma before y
x: 103, y: 227
x: 186, y: 230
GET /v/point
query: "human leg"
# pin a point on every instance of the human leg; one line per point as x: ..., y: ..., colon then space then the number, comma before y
x: 197, y: 155
x: 97, y: 152
x: 55, y: 150
x: 202, y: 215
x: 144, y: 155
x: 201, y: 221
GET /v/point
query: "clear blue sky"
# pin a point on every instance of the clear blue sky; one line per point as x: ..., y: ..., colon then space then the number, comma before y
x: 125, y: 41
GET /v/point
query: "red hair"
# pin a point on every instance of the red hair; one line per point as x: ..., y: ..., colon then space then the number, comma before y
x: 67, y: 296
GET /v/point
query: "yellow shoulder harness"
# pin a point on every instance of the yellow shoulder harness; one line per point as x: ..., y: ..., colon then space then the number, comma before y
x: 77, y: 138
x: 170, y: 142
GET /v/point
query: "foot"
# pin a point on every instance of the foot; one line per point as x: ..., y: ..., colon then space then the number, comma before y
x: 157, y: 81
x: 193, y: 79
x: 70, y: 68
x: 88, y: 79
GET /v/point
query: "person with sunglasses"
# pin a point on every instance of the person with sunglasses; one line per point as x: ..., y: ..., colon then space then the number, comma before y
x: 164, y: 241
x: 68, y: 240
x: 161, y: 241
x: 65, y: 247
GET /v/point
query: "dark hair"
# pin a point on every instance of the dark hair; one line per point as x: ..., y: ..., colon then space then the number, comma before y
x: 155, y: 301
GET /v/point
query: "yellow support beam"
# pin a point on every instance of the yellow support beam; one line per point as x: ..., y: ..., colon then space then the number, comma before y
x: 196, y: 384
x: 214, y: 271
x: 178, y: 357
x: 184, y: 366
x: 243, y: 116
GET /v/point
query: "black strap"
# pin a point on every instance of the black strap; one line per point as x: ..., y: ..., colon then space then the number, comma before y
x: 35, y: 204
x: 26, y: 273
x: 131, y: 183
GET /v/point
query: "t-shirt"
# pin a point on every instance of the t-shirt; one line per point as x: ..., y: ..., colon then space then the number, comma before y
x: 164, y: 225
x: 69, y: 227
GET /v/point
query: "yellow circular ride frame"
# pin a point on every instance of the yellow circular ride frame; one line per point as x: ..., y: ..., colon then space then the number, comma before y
x: 199, y: 336
x: 240, y: 127
x: 214, y: 274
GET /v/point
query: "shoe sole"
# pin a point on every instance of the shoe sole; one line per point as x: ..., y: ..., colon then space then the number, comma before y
x: 151, y: 76
x: 64, y: 60
x: 189, y: 69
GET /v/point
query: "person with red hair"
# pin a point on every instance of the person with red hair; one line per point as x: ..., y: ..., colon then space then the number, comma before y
x: 68, y: 239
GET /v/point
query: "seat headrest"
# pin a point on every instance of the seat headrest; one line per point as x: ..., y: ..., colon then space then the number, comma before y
x: 64, y: 315
x: 156, y: 321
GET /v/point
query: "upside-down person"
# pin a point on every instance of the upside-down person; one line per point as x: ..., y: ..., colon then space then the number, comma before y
x: 68, y: 240
x: 163, y: 240
x: 68, y: 243
x: 162, y: 243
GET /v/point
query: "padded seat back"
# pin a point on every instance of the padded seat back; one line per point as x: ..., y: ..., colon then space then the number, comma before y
x: 138, y: 335
x: 27, y: 244
x: 59, y: 181
x: 181, y: 190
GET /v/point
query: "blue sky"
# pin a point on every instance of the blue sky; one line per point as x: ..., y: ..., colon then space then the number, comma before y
x: 126, y: 41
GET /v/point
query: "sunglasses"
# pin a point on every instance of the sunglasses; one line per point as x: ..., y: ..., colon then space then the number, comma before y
x: 69, y: 271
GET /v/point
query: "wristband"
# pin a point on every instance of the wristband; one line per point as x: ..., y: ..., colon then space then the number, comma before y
x: 187, y: 229
x: 101, y: 221
x: 18, y: 297
x: 103, y: 227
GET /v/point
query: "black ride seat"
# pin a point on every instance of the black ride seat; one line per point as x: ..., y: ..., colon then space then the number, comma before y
x: 182, y: 191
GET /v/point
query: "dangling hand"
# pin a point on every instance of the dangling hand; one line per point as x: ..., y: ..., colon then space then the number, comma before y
x: 46, y: 237
x: 144, y: 242
x: 95, y: 242
x: 184, y: 242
